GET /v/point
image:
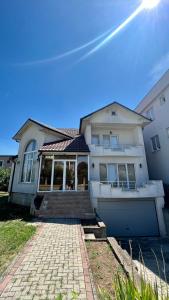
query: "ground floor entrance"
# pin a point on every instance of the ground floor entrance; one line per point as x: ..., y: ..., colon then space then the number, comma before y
x: 63, y: 173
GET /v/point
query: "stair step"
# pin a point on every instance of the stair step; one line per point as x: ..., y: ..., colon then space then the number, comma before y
x: 66, y: 204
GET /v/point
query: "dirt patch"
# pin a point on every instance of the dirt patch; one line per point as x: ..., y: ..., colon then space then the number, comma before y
x: 103, y: 265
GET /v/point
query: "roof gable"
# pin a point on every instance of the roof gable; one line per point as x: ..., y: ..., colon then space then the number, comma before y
x: 69, y: 133
x: 113, y: 106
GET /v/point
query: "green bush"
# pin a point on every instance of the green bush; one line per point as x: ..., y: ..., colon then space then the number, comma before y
x: 4, y: 179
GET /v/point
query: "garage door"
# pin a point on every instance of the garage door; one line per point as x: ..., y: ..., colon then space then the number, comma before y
x: 129, y: 217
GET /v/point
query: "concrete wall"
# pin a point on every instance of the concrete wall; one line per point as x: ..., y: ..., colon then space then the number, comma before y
x: 158, y: 162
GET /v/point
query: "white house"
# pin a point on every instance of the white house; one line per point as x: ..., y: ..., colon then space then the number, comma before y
x: 99, y: 168
x: 155, y: 105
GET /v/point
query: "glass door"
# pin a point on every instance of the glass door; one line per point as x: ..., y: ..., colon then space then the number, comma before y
x: 70, y: 175
x: 112, y: 174
x: 58, y: 176
x: 114, y: 141
x: 122, y: 176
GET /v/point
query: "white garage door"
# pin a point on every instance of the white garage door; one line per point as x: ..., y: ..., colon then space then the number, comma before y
x: 129, y: 217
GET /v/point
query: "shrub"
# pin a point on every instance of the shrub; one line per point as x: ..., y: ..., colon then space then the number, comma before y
x: 4, y: 179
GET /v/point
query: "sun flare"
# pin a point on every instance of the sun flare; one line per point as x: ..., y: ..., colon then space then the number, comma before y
x: 149, y: 4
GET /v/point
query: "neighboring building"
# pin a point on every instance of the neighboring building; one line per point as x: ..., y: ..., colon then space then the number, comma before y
x: 155, y: 105
x: 104, y: 160
x: 6, y: 161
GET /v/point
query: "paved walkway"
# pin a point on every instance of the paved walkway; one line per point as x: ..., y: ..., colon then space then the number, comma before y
x: 53, y: 262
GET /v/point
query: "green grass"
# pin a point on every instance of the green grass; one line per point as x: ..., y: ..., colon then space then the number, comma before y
x: 14, y: 231
x: 13, y: 235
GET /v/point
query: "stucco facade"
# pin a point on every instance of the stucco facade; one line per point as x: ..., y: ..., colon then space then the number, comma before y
x: 114, y: 150
x: 156, y: 103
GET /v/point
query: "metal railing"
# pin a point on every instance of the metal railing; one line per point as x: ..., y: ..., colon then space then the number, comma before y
x: 124, y: 185
x: 118, y: 147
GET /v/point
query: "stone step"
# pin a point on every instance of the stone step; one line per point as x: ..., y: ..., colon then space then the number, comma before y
x: 66, y: 204
x: 67, y: 200
x: 63, y: 197
x: 73, y: 216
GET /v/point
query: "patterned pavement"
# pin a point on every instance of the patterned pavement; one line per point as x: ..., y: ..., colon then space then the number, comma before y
x: 54, y: 261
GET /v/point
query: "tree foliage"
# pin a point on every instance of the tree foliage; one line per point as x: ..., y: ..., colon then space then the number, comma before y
x: 4, y: 179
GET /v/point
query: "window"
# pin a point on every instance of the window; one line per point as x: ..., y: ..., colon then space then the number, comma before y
x: 28, y: 168
x: 119, y: 175
x: 162, y: 99
x: 106, y: 140
x: 155, y: 142
x: 114, y: 141
x: 95, y: 139
x: 1, y: 163
x: 113, y: 113
x: 103, y: 172
x: 150, y: 113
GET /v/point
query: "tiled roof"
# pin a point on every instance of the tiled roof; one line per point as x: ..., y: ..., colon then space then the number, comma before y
x: 76, y: 144
x: 70, y: 131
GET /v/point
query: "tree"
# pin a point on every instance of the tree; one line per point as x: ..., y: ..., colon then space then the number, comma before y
x: 4, y: 179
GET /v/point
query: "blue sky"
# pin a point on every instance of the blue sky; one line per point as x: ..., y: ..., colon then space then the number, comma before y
x: 59, y: 92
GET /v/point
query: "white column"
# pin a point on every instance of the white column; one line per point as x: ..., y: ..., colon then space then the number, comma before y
x: 138, y: 134
x: 76, y: 179
x: 52, y: 174
x: 87, y: 134
x: 88, y: 168
x: 40, y: 164
x: 159, y: 208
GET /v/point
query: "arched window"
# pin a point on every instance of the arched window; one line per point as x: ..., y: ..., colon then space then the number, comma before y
x: 28, y: 168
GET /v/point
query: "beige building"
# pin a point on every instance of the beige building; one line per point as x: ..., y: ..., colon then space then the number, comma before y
x: 103, y: 161
x: 155, y: 105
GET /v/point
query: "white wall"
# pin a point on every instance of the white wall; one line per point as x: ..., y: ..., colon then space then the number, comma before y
x: 41, y: 137
x: 158, y: 162
x: 128, y: 126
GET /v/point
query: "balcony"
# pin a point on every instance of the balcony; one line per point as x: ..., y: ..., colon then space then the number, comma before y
x: 116, y: 150
x: 124, y: 189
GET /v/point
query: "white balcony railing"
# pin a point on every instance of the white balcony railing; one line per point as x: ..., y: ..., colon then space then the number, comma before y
x: 124, y: 185
x: 127, y: 149
x: 126, y: 189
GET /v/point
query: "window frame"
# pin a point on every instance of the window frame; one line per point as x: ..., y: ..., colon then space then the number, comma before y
x: 162, y: 99
x: 155, y: 141
x: 95, y: 135
x: 117, y: 173
x: 23, y: 177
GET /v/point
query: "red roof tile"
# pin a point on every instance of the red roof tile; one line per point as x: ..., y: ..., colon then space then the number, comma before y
x: 77, y: 144
x: 70, y: 131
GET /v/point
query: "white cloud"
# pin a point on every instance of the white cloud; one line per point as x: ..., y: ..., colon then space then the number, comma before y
x: 160, y: 68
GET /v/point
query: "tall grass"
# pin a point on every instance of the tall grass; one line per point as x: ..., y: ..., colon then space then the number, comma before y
x: 125, y: 289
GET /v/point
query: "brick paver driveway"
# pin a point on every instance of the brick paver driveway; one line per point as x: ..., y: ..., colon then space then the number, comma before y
x: 53, y: 262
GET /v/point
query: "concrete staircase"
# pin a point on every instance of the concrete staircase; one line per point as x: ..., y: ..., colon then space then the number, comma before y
x: 66, y: 205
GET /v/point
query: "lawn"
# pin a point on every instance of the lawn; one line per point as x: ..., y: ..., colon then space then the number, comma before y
x: 14, y: 230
